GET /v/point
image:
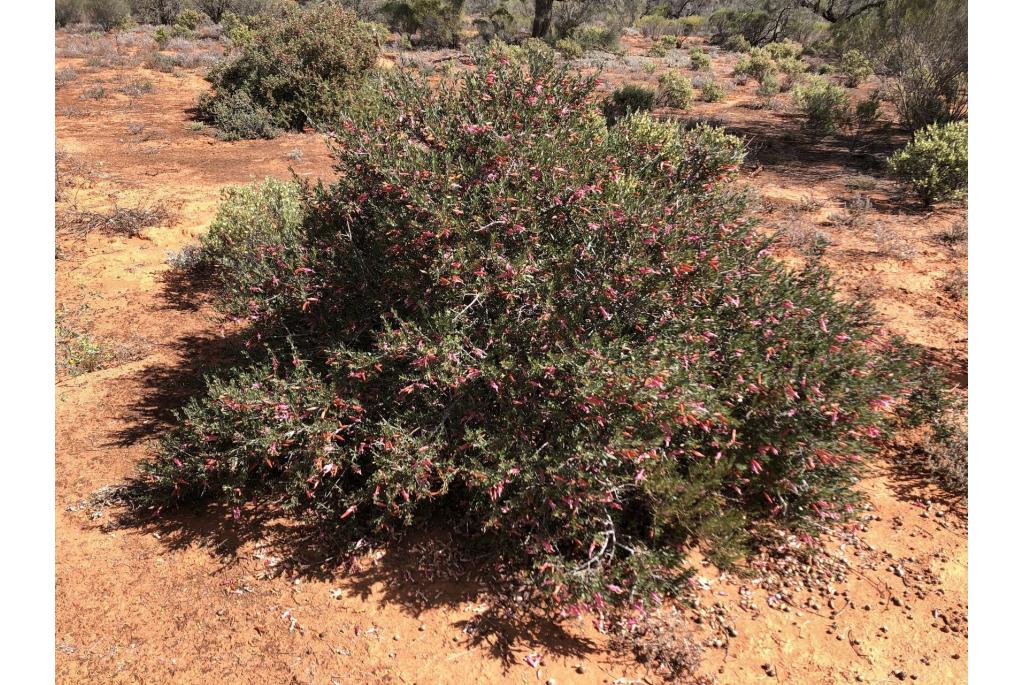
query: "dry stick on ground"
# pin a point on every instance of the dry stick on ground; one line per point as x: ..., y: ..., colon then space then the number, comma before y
x: 127, y: 221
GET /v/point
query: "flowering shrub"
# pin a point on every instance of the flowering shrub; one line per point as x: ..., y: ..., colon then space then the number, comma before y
x: 300, y: 70
x: 563, y: 336
x: 934, y: 163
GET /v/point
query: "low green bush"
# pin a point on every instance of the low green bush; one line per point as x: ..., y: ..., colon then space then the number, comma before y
x: 856, y: 67
x: 190, y: 18
x: 787, y: 49
x: 699, y: 59
x: 237, y: 117
x: 934, y: 163
x: 757, y: 64
x: 712, y: 92
x: 628, y: 99
x: 736, y: 43
x: 569, y: 48
x: 303, y: 69
x: 825, y: 105
x: 675, y: 90
x: 769, y: 86
x: 657, y: 50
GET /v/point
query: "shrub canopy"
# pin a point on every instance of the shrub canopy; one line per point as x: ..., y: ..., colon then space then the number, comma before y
x: 300, y: 69
x: 561, y: 336
x: 934, y: 163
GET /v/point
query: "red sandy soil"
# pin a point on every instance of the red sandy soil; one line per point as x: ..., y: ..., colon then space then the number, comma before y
x: 199, y: 599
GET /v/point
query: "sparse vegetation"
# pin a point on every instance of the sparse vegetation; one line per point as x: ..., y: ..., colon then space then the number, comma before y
x: 125, y: 221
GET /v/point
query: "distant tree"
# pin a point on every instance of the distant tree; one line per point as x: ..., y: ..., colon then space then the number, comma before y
x: 157, y: 11
x: 107, y: 13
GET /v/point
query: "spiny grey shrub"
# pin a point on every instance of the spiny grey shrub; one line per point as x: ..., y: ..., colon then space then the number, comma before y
x: 564, y: 337
x: 301, y: 69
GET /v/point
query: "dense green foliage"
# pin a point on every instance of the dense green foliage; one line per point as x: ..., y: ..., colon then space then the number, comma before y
x: 562, y: 336
x: 856, y: 67
x: 675, y: 90
x: 934, y: 163
x: 300, y: 71
x: 825, y: 105
x: 628, y: 99
x: 699, y: 59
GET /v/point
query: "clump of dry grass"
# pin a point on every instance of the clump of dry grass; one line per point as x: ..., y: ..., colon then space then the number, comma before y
x: 95, y: 93
x: 955, y: 284
x: 860, y: 182
x: 892, y: 244
x: 664, y: 644
x: 809, y: 203
x: 853, y: 213
x: 127, y: 221
x: 136, y: 88
x: 804, y: 237
x: 946, y: 448
x: 64, y: 76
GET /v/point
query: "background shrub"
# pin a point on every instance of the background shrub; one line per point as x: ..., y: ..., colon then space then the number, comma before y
x: 675, y: 90
x: 626, y: 100
x: 67, y: 12
x: 736, y: 43
x: 108, y: 14
x: 934, y: 163
x: 570, y: 48
x: 757, y: 64
x: 302, y: 70
x: 563, y: 337
x: 712, y: 92
x: 597, y: 38
x: 699, y: 59
x: 856, y: 67
x: 430, y: 22
x: 825, y: 105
